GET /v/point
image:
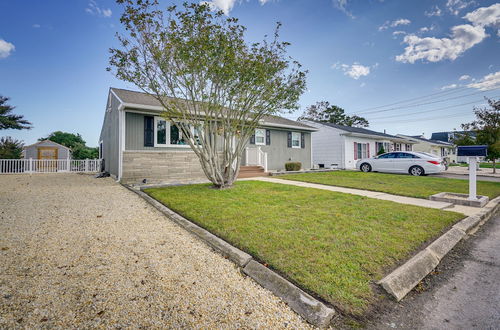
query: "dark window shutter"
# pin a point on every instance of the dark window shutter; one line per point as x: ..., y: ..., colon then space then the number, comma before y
x: 289, y: 140
x: 268, y: 136
x: 355, y: 150
x: 252, y: 139
x: 302, y: 140
x: 149, y: 131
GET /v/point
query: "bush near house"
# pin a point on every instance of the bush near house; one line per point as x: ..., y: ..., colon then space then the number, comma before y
x: 293, y: 166
x: 332, y: 244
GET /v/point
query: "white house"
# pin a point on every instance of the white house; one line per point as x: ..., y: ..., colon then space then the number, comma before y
x: 337, y: 146
x: 439, y: 148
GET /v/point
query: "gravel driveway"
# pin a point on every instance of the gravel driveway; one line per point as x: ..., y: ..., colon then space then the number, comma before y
x: 76, y: 251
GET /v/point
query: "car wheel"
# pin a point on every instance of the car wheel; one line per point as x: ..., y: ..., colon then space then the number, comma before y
x: 365, y: 167
x: 417, y: 171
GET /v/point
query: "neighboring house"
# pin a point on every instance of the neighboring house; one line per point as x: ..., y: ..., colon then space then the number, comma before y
x: 46, y: 149
x: 449, y: 136
x: 337, y: 146
x: 137, y: 144
x: 436, y: 147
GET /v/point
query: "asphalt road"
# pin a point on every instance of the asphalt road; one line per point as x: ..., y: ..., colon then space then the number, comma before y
x: 464, y: 292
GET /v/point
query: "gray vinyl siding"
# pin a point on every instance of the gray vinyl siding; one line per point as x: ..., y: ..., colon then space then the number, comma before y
x: 32, y: 151
x: 278, y: 152
x: 110, y: 137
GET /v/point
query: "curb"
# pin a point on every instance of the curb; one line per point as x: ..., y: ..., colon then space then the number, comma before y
x: 404, y: 278
x: 311, y: 309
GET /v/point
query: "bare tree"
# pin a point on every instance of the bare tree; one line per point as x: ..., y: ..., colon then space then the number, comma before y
x: 214, y: 86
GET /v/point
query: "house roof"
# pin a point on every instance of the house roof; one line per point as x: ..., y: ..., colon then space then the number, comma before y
x: 422, y: 139
x: 44, y: 141
x: 131, y: 98
x: 360, y: 130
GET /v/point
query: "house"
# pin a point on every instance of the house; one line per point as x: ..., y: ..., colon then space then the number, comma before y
x: 46, y: 149
x: 337, y: 146
x: 439, y: 148
x: 137, y: 144
x: 449, y: 136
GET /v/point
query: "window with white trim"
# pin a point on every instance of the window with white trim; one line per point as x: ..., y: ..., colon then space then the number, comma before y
x: 296, y: 140
x: 260, y: 136
x: 168, y: 134
x: 408, y: 147
x: 362, y: 150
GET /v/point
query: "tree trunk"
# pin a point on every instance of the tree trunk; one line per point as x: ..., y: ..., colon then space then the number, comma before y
x: 494, y: 166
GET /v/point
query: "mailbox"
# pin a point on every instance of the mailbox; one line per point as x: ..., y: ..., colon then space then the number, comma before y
x: 472, y: 151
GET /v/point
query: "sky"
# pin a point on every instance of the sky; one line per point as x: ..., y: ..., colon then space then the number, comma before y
x: 409, y: 67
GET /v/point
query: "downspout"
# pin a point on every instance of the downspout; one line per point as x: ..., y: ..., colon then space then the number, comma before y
x: 121, y: 140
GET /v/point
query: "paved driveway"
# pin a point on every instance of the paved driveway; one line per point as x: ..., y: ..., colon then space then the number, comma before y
x: 76, y: 251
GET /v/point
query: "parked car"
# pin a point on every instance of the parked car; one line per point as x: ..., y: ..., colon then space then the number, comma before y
x: 411, y: 162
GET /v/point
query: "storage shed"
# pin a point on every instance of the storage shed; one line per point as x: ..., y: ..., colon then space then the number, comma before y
x: 46, y: 149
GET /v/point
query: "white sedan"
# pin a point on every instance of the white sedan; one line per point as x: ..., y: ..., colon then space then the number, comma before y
x: 412, y: 162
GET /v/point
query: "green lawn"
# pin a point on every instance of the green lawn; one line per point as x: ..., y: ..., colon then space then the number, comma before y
x: 405, y: 185
x: 333, y: 244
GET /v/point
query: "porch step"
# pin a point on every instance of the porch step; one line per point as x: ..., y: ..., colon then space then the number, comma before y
x: 251, y: 171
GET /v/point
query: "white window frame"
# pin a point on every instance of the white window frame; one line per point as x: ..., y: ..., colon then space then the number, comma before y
x: 362, y: 150
x: 299, y: 139
x: 167, y: 135
x: 260, y: 132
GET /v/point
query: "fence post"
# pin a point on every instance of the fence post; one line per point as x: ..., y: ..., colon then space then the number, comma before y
x: 86, y: 165
x: 31, y: 166
x: 68, y: 164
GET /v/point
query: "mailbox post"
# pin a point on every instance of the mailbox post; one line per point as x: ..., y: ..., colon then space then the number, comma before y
x: 472, y: 153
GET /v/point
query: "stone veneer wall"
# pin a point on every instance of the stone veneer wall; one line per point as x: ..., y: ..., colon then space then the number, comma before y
x: 161, y: 167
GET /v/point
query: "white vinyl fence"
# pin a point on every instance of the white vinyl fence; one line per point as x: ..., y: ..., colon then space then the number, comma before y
x: 10, y: 166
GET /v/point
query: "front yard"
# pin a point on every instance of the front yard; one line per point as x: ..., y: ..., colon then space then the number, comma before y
x: 332, y: 244
x: 396, y: 184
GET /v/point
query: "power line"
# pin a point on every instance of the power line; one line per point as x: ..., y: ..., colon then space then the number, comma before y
x: 432, y: 110
x: 426, y: 103
x: 462, y: 114
x: 416, y: 98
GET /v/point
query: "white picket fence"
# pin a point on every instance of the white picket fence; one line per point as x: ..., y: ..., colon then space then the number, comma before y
x: 13, y: 166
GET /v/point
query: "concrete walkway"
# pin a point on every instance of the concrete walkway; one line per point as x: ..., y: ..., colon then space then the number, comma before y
x: 487, y: 172
x: 378, y: 195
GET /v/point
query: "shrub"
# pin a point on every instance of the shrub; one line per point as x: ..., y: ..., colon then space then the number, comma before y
x: 293, y: 166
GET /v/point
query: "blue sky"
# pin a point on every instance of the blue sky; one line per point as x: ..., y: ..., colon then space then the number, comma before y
x: 361, y: 55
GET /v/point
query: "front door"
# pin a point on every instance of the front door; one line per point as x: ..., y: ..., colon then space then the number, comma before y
x: 47, y: 159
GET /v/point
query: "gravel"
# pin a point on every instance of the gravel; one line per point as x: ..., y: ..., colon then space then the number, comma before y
x: 81, y: 252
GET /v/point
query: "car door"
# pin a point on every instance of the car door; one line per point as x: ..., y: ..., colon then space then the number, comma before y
x: 402, y: 162
x: 384, y: 163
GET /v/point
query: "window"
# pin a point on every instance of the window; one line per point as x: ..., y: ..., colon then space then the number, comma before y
x: 295, y: 140
x: 408, y: 147
x: 168, y: 134
x: 260, y: 136
x: 362, y: 150
x: 389, y: 155
x: 385, y: 145
x: 397, y: 146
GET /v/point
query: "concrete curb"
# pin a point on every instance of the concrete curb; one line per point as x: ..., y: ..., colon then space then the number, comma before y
x: 311, y: 309
x: 404, y: 278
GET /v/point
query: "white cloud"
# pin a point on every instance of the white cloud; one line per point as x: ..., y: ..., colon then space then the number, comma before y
x: 5, y: 48
x: 464, y: 77
x: 427, y: 28
x: 485, y: 16
x: 36, y: 26
x: 226, y: 5
x: 396, y: 33
x: 342, y: 6
x: 435, y: 11
x: 455, y: 6
x: 433, y: 49
x: 94, y: 9
x: 488, y: 82
x: 355, y: 70
x: 398, y: 22
x: 449, y: 87
x: 362, y: 85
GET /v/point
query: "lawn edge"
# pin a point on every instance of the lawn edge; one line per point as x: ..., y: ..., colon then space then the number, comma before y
x: 404, y: 278
x: 311, y: 309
